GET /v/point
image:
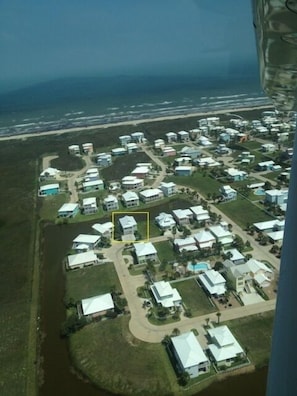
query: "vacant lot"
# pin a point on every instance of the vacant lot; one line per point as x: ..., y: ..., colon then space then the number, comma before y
x: 198, y: 180
x: 92, y: 281
x: 165, y: 251
x: 113, y: 359
x: 194, y: 297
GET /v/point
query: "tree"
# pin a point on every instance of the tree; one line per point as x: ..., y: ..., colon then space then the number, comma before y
x: 184, y: 378
x: 218, y: 266
x: 207, y: 320
x: 219, y: 317
x: 175, y: 331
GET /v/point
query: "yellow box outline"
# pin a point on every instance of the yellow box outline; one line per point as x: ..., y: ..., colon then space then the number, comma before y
x: 127, y: 214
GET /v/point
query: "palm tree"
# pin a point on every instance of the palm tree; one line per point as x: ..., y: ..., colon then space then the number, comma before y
x: 219, y: 317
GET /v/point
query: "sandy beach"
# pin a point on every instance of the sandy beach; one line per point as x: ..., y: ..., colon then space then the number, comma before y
x: 133, y: 122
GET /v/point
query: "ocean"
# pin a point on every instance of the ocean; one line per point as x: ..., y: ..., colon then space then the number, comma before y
x: 80, y: 102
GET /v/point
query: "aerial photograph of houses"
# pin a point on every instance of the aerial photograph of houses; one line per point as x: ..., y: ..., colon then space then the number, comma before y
x: 148, y: 206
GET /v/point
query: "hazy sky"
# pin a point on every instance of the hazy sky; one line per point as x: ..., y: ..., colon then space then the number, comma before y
x: 45, y: 39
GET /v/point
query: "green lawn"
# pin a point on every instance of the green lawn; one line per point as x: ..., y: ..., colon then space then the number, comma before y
x: 91, y: 281
x: 194, y: 297
x: 102, y: 350
x: 242, y: 212
x: 50, y: 205
x: 165, y: 251
x: 254, y: 332
x: 198, y: 180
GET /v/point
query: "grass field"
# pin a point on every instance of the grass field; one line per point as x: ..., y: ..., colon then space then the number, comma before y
x: 198, y: 180
x: 92, y: 281
x: 113, y: 359
x: 254, y: 333
x: 165, y: 251
x: 194, y: 297
x: 242, y: 212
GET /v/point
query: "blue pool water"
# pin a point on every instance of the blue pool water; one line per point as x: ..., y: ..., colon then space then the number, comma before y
x: 202, y: 266
x: 260, y: 191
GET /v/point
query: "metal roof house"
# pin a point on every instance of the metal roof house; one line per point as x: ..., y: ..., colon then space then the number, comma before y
x: 49, y: 189
x: 81, y: 260
x: 189, y: 354
x: 98, y: 305
x: 68, y: 210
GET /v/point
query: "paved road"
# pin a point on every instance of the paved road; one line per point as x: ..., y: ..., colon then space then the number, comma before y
x: 157, y: 160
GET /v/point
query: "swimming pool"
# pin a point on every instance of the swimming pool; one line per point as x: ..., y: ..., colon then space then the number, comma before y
x: 260, y: 191
x: 198, y: 267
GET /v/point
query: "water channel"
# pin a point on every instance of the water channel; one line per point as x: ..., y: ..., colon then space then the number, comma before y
x: 58, y: 375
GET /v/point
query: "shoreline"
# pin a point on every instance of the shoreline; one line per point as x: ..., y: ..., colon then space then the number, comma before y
x: 136, y: 122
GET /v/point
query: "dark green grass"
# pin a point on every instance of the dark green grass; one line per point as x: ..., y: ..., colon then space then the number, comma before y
x: 198, y: 180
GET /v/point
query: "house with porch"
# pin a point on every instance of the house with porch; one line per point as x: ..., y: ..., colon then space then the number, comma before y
x: 151, y: 194
x: 97, y: 306
x: 191, y: 152
x: 89, y: 205
x: 228, y: 193
x: 132, y: 183
x: 199, y: 213
x: 104, y: 229
x: 93, y: 185
x: 49, y: 189
x: 130, y: 199
x: 171, y: 137
x: 165, y: 294
x: 85, y: 242
x: 49, y: 173
x: 183, y: 136
x: 168, y: 189
x: 183, y: 216
x: 185, y: 244
x: 110, y: 203
x: 104, y: 160
x: 204, y: 239
x: 145, y: 251
x: 276, y: 196
x: 235, y: 174
x: 81, y: 260
x: 68, y: 210
x: 128, y: 225
x: 223, y: 347
x: 183, y: 170
x: 165, y: 221
x: 189, y: 355
x: 213, y: 282
x: 222, y: 235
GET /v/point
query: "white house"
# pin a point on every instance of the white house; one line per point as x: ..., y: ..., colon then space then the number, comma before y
x: 207, y: 162
x: 165, y: 295
x: 49, y: 189
x: 159, y: 143
x: 132, y: 183
x: 213, y: 282
x: 185, y: 244
x: 87, y: 148
x: 199, y: 213
x: 81, y: 260
x: 110, y: 203
x: 128, y: 225
x: 74, y: 149
x: 224, y: 347
x: 105, y: 229
x: 145, y: 251
x: 189, y: 355
x: 151, y: 194
x: 277, y: 197
x: 228, y: 193
x: 235, y: 256
x: 137, y: 137
x: 97, y: 305
x: 130, y: 199
x: 49, y: 173
x: 68, y: 210
x: 223, y: 236
x: 93, y: 185
x: 165, y: 221
x: 85, y: 242
x: 235, y: 174
x: 183, y: 136
x: 168, y: 189
x: 204, y: 239
x: 141, y: 172
x: 182, y: 216
x: 171, y: 137
x: 89, y: 205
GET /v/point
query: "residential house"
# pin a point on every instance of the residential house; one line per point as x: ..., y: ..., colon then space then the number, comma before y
x: 165, y: 221
x: 206, y: 162
x: 228, y: 193
x: 118, y: 151
x: 183, y: 216
x: 49, y: 189
x: 222, y: 236
x: 81, y: 260
x: 132, y: 183
x: 234, y: 256
x: 199, y: 213
x: 189, y: 355
x: 265, y: 165
x: 213, y: 282
x: 191, y: 152
x: 91, y: 175
x: 165, y: 295
x: 182, y: 161
x: 235, y: 174
x: 141, y: 172
x: 68, y: 210
x: 93, y: 185
x: 74, y: 149
x: 204, y: 141
x: 168, y: 151
x: 183, y: 136
x: 168, y: 189
x: 105, y: 229
x: 185, y: 244
x: 49, y: 173
x: 159, y: 143
x: 145, y: 251
x: 204, y: 239
x: 224, y: 347
x: 277, y: 197
x: 110, y: 203
x: 183, y: 170
x: 130, y: 199
x: 87, y: 148
x: 268, y: 148
x: 104, y: 160
x: 131, y: 148
x: 151, y: 194
x: 171, y: 137
x: 128, y: 225
x: 222, y: 149
x: 85, y: 242
x: 270, y: 225
x: 125, y: 139
x: 89, y: 205
x: 97, y: 306
x: 137, y: 137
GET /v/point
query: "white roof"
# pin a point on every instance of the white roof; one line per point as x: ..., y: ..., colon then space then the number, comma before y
x: 96, y: 304
x: 86, y: 239
x: 236, y: 255
x: 266, y: 225
x: 129, y: 196
x: 165, y: 294
x: 188, y: 350
x: 75, y: 260
x: 183, y: 133
x: 199, y: 212
x: 102, y: 228
x: 235, y: 172
x: 213, y: 281
x: 140, y: 169
x: 110, y: 198
x: 89, y: 201
x: 182, y: 213
x: 225, y: 346
x: 93, y: 183
x: 118, y: 150
x: 50, y: 171
x: 266, y: 163
x: 184, y: 242
x: 127, y: 221
x: 167, y: 185
x: 68, y: 207
x: 165, y: 220
x: 276, y: 235
x: 204, y: 236
x: 151, y: 192
x: 219, y: 231
x: 92, y: 171
x: 144, y: 249
x: 183, y: 167
x: 49, y: 187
